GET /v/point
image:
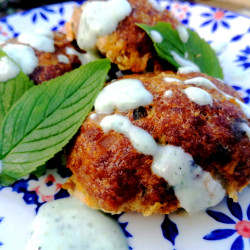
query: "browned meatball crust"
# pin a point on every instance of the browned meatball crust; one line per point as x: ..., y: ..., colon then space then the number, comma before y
x: 49, y: 65
x: 109, y: 174
x: 129, y: 46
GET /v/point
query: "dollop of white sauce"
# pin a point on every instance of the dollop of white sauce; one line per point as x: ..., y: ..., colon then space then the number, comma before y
x: 203, y: 82
x: 169, y: 93
x: 139, y: 138
x: 8, y: 69
x: 186, y: 65
x: 156, y: 5
x: 93, y: 116
x: 39, y: 39
x: 124, y: 95
x: 63, y: 59
x: 98, y: 19
x: 199, y: 96
x: 183, y: 33
x: 83, y: 57
x: 171, y: 79
x: 68, y: 224
x: 156, y: 36
x: 1, y: 166
x: 195, y: 188
x: 23, y: 55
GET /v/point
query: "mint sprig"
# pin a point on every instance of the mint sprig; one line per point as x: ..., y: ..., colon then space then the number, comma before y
x: 197, y: 49
x: 12, y: 90
x: 46, y: 117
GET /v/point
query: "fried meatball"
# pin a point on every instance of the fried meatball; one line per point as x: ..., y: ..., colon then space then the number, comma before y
x: 49, y: 66
x: 128, y: 46
x: 110, y: 174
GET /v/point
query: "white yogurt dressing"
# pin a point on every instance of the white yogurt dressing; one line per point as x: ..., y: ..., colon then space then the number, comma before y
x: 83, y: 57
x: 186, y: 65
x: 68, y: 224
x: 203, y: 82
x: 39, y: 39
x: 139, y: 138
x: 169, y: 93
x: 171, y: 79
x: 183, y: 33
x: 8, y: 68
x: 63, y: 59
x: 124, y: 95
x: 195, y: 188
x: 156, y: 36
x: 199, y: 96
x: 99, y: 19
x: 23, y: 55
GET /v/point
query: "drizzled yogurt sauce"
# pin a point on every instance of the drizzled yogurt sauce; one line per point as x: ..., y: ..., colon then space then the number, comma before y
x: 40, y: 39
x: 194, y: 187
x: 8, y: 68
x: 1, y: 166
x: 183, y: 33
x: 187, y: 66
x: 23, y: 55
x: 203, y: 82
x: 68, y: 224
x: 99, y: 19
x: 123, y: 94
x: 83, y: 57
x: 199, y: 96
x: 156, y: 36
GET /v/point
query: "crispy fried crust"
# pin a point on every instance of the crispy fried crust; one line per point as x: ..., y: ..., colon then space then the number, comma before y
x: 109, y: 174
x: 48, y: 64
x: 129, y: 47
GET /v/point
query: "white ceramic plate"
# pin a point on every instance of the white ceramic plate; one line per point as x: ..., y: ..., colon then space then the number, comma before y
x: 226, y: 226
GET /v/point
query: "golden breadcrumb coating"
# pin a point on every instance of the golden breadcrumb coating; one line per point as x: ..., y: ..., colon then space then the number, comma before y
x: 109, y: 174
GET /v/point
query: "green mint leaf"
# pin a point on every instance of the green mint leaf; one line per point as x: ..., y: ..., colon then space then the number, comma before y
x: 12, y: 90
x: 198, y: 50
x: 46, y: 117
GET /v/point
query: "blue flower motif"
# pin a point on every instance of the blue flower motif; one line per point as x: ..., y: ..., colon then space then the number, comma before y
x: 1, y: 219
x: 239, y: 226
x: 169, y: 230
x: 39, y: 13
x: 244, y: 58
x: 123, y: 226
x: 245, y: 93
x: 217, y: 18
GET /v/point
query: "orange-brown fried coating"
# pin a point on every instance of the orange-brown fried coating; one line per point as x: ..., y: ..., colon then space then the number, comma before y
x: 49, y: 65
x: 129, y: 47
x: 109, y: 174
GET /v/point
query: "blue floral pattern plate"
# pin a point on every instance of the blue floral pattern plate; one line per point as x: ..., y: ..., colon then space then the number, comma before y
x: 226, y: 226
